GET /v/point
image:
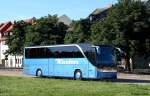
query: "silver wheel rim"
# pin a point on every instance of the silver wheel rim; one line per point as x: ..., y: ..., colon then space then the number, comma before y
x: 39, y: 73
x: 78, y: 75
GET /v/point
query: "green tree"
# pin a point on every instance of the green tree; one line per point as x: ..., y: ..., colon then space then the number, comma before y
x: 78, y: 32
x: 126, y: 25
x: 46, y: 30
x: 16, y: 38
x: 43, y: 31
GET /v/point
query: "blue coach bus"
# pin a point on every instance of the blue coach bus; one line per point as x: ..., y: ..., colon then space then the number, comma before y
x: 77, y: 61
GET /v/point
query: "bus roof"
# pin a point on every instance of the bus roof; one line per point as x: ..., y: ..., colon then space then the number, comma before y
x: 59, y: 45
x: 82, y: 45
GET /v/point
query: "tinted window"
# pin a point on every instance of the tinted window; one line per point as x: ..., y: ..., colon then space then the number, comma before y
x: 53, y: 52
x: 91, y: 56
x: 36, y: 53
x: 65, y: 52
x: 89, y: 51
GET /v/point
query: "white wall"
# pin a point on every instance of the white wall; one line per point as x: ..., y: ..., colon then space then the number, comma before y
x: 13, y: 61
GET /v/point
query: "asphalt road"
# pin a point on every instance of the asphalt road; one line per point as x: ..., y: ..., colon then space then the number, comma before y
x: 121, y: 78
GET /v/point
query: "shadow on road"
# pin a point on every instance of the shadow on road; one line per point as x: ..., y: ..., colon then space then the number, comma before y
x: 131, y: 81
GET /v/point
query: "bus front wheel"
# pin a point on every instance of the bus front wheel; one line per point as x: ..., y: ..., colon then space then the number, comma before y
x: 78, y: 75
x: 39, y: 73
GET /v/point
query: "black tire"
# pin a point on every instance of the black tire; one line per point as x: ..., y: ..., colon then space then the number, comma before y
x: 78, y: 75
x: 39, y: 73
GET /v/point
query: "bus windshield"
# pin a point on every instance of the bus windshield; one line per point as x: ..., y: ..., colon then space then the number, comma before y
x: 105, y: 56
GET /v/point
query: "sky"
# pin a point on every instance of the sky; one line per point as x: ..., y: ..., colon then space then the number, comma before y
x: 11, y: 10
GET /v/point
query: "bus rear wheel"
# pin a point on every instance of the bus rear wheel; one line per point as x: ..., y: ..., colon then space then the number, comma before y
x: 78, y: 75
x: 39, y: 73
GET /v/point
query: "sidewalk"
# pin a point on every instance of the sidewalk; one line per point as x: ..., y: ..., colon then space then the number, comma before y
x: 133, y: 76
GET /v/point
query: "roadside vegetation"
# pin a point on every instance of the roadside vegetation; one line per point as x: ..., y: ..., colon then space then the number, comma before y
x: 20, y: 86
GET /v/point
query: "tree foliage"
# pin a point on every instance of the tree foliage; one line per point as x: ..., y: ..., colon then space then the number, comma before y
x: 126, y: 25
x: 16, y: 38
x: 44, y: 31
x: 79, y: 32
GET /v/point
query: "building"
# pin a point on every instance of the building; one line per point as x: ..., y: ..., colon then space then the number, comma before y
x: 10, y: 61
x: 65, y: 19
x: 99, y: 13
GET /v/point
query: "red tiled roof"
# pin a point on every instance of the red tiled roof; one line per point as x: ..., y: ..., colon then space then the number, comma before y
x: 5, y: 26
x: 10, y: 28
